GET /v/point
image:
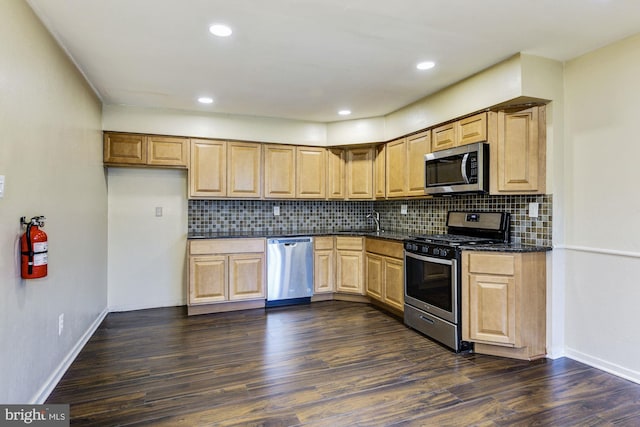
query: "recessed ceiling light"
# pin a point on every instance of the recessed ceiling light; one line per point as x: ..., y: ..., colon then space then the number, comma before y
x: 205, y: 100
x: 220, y: 30
x: 425, y: 65
x: 344, y: 112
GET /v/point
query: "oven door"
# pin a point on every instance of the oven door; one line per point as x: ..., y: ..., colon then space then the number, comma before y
x: 430, y: 284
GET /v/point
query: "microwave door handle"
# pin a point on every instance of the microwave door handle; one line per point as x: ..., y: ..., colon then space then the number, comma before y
x: 463, y: 168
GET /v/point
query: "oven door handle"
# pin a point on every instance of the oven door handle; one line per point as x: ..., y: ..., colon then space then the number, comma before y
x: 428, y: 259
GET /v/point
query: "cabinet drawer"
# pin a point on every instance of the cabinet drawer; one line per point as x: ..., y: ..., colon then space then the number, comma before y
x: 349, y: 243
x: 323, y: 243
x: 385, y: 247
x: 226, y: 246
x: 488, y: 263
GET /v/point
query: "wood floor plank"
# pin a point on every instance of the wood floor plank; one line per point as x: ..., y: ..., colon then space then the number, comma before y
x: 331, y: 363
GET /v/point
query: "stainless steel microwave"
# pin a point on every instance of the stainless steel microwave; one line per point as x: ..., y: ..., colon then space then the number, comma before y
x: 457, y: 170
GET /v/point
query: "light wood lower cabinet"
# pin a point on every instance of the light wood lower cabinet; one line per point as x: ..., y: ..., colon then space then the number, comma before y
x: 350, y: 265
x: 324, y: 265
x: 226, y: 271
x: 385, y: 272
x: 504, y: 303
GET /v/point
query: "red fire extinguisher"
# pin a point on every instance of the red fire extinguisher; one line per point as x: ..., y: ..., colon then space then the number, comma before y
x: 34, y: 249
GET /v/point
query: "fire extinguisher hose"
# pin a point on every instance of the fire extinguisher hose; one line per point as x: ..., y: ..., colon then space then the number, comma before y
x: 29, y: 252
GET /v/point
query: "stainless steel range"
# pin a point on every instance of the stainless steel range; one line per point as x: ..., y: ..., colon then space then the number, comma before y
x: 432, y: 279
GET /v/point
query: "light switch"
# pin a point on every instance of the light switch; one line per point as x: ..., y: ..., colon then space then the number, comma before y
x: 276, y: 211
x: 1, y: 186
x: 403, y: 209
x: 533, y: 210
x: 159, y: 211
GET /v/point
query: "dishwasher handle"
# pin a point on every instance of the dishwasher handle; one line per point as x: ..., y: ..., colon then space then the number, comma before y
x: 290, y: 241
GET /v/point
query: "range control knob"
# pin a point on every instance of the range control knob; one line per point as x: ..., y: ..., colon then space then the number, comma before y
x: 444, y: 252
x: 436, y: 251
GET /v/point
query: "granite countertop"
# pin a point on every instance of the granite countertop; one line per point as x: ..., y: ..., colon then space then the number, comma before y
x: 395, y: 235
x: 387, y: 234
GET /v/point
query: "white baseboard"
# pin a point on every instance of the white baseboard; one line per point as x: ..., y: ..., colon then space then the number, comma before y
x: 603, y: 365
x: 60, y: 370
x: 145, y: 306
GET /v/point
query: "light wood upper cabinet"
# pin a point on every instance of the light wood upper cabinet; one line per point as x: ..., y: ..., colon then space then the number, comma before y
x: 125, y: 149
x: 208, y: 171
x: 417, y: 146
x: 396, y: 172
x: 167, y: 151
x: 461, y: 132
x: 405, y: 165
x: 244, y: 169
x: 444, y: 137
x: 279, y: 171
x: 504, y: 303
x: 336, y: 161
x: 518, y: 155
x: 311, y: 166
x: 472, y: 129
x: 379, y: 165
x: 360, y: 173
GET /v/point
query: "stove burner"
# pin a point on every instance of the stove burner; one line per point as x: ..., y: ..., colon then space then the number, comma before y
x: 450, y: 239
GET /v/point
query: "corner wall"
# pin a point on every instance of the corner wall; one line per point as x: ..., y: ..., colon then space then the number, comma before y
x: 51, y: 156
x: 602, y: 232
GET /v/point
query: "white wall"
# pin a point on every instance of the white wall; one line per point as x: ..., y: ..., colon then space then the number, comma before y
x: 51, y: 156
x: 209, y: 125
x: 602, y: 206
x: 147, y: 253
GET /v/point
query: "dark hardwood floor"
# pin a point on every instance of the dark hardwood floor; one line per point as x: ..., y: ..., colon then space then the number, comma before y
x: 327, y: 364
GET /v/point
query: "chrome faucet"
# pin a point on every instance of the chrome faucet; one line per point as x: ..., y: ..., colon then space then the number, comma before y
x: 376, y: 218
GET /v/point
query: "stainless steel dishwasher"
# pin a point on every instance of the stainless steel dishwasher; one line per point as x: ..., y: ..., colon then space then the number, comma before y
x: 289, y: 271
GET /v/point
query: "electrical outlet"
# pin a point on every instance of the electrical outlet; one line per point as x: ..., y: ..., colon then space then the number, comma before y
x: 159, y: 211
x: 276, y: 211
x: 403, y: 209
x: 1, y: 186
x: 533, y: 210
x: 60, y: 324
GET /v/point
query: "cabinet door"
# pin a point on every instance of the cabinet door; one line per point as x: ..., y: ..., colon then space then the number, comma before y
x: 279, y: 171
x: 360, y: 173
x: 207, y: 279
x: 519, y: 153
x: 324, y: 271
x: 396, y: 171
x: 208, y: 169
x: 311, y: 172
x: 444, y: 137
x: 374, y: 276
x: 380, y: 172
x: 492, y: 316
x: 244, y: 166
x: 417, y: 146
x: 394, y: 283
x: 126, y: 149
x: 349, y: 272
x: 167, y: 151
x: 472, y: 129
x: 246, y: 276
x: 335, y: 173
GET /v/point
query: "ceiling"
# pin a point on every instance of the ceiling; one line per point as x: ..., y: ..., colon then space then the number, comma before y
x: 307, y: 59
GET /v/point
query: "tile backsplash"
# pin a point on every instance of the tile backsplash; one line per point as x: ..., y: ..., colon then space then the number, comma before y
x: 424, y: 216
